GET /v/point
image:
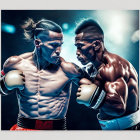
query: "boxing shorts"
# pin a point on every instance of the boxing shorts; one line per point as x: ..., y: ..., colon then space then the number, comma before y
x: 34, y: 124
x: 129, y: 122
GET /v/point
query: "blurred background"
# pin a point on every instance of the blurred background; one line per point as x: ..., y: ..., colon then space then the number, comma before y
x: 121, y: 29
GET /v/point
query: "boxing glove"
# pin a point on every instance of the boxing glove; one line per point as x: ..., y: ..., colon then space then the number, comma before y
x: 14, y: 79
x: 90, y: 95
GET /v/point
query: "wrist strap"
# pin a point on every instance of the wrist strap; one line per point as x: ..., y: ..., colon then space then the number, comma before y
x: 99, y: 100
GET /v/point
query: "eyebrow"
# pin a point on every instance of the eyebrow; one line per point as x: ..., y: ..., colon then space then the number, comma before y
x: 89, y: 40
x: 56, y: 38
x: 55, y: 42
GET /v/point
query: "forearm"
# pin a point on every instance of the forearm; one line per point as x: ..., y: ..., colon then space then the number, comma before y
x: 116, y: 97
x: 79, y: 76
x: 113, y: 105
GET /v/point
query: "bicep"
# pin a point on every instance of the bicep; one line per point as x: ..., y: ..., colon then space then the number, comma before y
x: 118, y: 88
x: 73, y: 71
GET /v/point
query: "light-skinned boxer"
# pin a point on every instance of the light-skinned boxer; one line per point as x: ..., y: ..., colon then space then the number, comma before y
x: 115, y: 89
x: 41, y: 79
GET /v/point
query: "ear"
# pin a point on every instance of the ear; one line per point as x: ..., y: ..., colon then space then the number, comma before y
x: 96, y: 45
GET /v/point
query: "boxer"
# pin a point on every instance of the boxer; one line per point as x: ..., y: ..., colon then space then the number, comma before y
x: 114, y: 91
x: 41, y: 79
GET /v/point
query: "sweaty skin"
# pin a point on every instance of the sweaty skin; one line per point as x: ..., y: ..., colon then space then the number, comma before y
x: 46, y: 91
x: 120, y: 81
x: 115, y: 75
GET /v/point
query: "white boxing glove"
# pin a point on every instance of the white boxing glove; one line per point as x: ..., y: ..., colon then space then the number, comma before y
x: 14, y: 79
x: 90, y: 95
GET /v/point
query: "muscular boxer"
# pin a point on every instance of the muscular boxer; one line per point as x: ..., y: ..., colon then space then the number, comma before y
x: 115, y: 88
x: 41, y: 79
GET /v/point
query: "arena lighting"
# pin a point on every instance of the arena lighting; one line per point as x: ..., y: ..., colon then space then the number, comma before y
x: 8, y: 28
x: 65, y: 26
x: 117, y: 25
x: 118, y: 28
x: 135, y: 36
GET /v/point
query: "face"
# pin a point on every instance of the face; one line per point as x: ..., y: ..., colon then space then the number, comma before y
x: 85, y: 50
x: 51, y: 43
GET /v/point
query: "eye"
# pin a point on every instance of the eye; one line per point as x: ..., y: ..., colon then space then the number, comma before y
x: 79, y: 46
x: 55, y: 45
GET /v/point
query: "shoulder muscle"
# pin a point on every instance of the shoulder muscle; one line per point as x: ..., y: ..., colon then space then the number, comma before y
x: 70, y: 69
x: 113, y: 71
x: 10, y: 62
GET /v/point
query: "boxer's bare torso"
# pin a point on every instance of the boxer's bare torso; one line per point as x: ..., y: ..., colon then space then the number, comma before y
x: 120, y: 81
x: 46, y: 91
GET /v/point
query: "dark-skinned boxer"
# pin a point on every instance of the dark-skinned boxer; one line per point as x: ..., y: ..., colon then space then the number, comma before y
x: 41, y: 79
x: 115, y: 88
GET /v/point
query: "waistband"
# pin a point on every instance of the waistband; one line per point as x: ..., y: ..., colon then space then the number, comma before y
x: 120, y: 123
x: 41, y: 124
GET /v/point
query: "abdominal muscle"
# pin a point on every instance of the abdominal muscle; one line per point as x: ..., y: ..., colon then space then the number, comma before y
x: 43, y: 107
x: 45, y: 95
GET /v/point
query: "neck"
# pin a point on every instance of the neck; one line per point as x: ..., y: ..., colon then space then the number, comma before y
x: 100, y: 59
x: 40, y: 62
x: 97, y: 64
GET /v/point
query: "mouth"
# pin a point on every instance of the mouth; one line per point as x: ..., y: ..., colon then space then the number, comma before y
x: 80, y: 59
x: 78, y: 94
x: 56, y: 57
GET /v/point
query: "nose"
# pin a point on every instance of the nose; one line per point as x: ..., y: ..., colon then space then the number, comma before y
x: 58, y: 50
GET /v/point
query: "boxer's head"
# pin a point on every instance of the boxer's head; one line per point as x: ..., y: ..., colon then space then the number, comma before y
x: 89, y: 41
x: 47, y: 37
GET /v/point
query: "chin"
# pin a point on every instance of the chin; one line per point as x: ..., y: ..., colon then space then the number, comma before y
x: 84, y: 63
x: 54, y: 61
